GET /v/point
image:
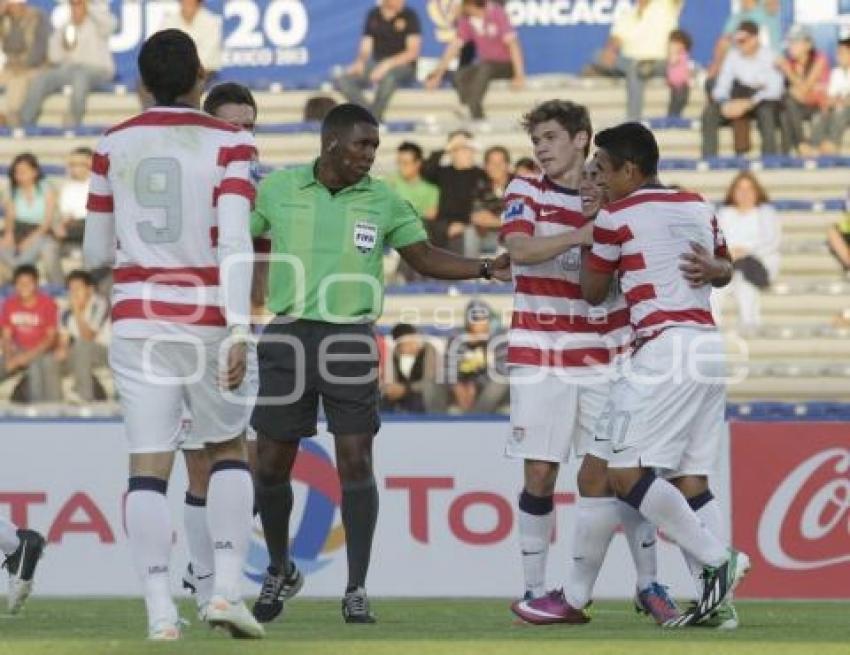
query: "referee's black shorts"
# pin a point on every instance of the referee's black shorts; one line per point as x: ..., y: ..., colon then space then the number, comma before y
x: 302, y: 361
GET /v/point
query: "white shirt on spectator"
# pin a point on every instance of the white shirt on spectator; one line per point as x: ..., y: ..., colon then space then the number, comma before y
x: 73, y: 198
x: 91, y: 41
x: 839, y: 83
x: 96, y: 314
x: 205, y: 30
x: 644, y: 37
x: 758, y: 231
x: 758, y: 72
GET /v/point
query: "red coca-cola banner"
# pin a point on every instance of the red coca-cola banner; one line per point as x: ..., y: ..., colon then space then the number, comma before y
x: 791, y: 508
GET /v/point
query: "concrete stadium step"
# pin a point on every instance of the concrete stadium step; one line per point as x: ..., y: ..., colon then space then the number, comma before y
x: 791, y: 389
x: 766, y: 349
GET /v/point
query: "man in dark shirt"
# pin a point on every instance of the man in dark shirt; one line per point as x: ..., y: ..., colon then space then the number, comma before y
x: 459, y: 180
x: 392, y: 39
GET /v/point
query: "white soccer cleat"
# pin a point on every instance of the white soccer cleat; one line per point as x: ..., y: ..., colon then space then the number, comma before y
x: 165, y: 631
x: 235, y: 617
x: 21, y: 566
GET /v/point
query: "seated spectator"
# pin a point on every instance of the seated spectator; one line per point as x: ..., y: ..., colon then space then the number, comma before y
x: 204, y: 27
x: 475, y: 388
x: 29, y: 322
x: 29, y: 214
x: 84, y: 335
x: 753, y: 234
x: 766, y: 14
x: 526, y: 167
x: 749, y: 85
x: 482, y: 236
x: 457, y: 177
x: 79, y: 57
x: 679, y: 71
x: 73, y: 196
x: 389, y: 49
x: 498, y: 51
x: 23, y: 33
x: 412, y: 384
x: 806, y: 71
x: 408, y: 182
x: 637, y: 47
x: 828, y: 129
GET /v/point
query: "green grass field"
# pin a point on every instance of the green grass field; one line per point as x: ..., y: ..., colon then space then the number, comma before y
x: 428, y: 627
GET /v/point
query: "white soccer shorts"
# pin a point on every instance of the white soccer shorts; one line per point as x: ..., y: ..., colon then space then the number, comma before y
x: 156, y: 379
x: 553, y: 413
x: 667, y: 409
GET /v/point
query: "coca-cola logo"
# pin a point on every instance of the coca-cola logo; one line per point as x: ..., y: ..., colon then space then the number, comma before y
x: 806, y: 523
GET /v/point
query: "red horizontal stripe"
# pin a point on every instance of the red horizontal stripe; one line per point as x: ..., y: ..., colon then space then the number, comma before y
x: 235, y: 186
x: 174, y: 119
x: 596, y: 263
x: 699, y: 316
x: 516, y: 227
x: 572, y: 324
x: 641, y: 198
x: 101, y: 204
x: 547, y: 286
x: 206, y: 276
x: 574, y: 358
x: 156, y: 310
x: 99, y: 164
x: 613, y: 237
x: 242, y: 152
x: 640, y: 293
x: 633, y: 262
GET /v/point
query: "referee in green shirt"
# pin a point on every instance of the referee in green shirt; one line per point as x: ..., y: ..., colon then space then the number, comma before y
x: 329, y: 224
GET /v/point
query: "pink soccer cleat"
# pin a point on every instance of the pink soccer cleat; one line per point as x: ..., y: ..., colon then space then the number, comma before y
x: 549, y: 609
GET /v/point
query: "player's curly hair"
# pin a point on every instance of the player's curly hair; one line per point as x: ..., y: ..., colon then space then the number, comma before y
x: 574, y: 118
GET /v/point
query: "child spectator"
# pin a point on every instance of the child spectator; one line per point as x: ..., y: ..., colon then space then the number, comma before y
x: 679, y: 71
x: 73, y: 196
x: 828, y: 130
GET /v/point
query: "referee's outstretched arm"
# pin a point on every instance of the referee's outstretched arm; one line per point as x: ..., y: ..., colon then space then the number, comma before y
x: 430, y: 261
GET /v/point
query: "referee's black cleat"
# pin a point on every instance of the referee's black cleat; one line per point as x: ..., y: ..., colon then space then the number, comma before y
x: 355, y: 607
x: 21, y: 567
x: 276, y: 589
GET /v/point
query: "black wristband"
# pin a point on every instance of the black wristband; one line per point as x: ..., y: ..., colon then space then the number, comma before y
x: 486, y: 269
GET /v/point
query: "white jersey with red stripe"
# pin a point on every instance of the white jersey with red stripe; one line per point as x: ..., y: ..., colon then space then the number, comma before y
x: 170, y: 201
x: 641, y: 237
x: 552, y: 325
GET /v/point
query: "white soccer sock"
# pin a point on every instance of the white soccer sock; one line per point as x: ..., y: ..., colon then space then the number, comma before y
x: 200, y: 545
x: 596, y: 521
x: 150, y: 532
x: 536, y: 521
x: 642, y: 537
x: 708, y: 511
x: 666, y: 507
x: 230, y: 499
x: 9, y: 541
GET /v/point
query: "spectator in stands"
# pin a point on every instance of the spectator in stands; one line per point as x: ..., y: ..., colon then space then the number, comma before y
x: 84, y: 334
x: 482, y: 236
x: 498, y: 54
x: 204, y: 27
x: 408, y: 182
x: 29, y: 215
x: 753, y: 234
x: 766, y: 14
x: 73, y: 196
x: 475, y: 388
x: 749, y: 85
x: 806, y: 73
x: 79, y: 56
x: 24, y: 32
x: 411, y: 385
x: 29, y: 322
x: 526, y: 167
x: 389, y: 49
x: 457, y: 177
x: 637, y: 47
x: 679, y: 71
x: 828, y: 129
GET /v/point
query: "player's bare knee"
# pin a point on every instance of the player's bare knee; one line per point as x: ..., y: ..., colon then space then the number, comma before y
x: 593, y: 478
x: 540, y: 477
x: 691, y: 485
x: 198, y: 472
x: 152, y: 465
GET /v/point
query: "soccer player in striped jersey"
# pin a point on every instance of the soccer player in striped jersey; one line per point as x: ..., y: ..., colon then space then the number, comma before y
x: 169, y: 210
x: 666, y: 412
x: 21, y: 550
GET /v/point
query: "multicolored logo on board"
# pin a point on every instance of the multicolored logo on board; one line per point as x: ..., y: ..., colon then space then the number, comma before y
x: 315, y: 535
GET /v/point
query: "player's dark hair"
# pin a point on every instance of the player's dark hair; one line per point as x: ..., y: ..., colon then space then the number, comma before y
x: 342, y: 119
x: 681, y: 36
x: 24, y: 158
x: 492, y: 150
x: 169, y: 65
x: 228, y: 93
x: 81, y: 275
x: 402, y: 330
x: 83, y: 150
x: 574, y: 118
x: 25, y: 269
x: 630, y: 142
x: 413, y: 148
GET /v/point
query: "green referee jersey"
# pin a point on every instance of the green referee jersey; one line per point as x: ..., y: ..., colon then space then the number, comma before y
x: 328, y: 249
